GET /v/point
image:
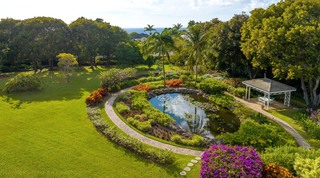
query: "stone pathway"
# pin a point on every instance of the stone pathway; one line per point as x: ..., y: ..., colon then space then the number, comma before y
x: 301, y: 141
x: 124, y: 127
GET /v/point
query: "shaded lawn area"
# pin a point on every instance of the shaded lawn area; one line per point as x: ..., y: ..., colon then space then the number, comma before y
x: 47, y: 134
x: 287, y: 115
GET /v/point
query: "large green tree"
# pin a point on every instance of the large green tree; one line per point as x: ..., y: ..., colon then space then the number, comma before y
x: 224, y: 43
x: 287, y: 36
x: 66, y: 63
x: 161, y: 45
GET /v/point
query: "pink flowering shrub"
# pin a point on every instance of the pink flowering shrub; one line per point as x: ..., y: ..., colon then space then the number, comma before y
x: 224, y: 161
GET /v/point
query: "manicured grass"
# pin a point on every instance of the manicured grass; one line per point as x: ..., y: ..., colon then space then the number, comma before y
x: 286, y: 115
x: 47, y: 134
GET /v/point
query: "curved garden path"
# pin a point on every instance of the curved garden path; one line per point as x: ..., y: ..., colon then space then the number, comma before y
x: 124, y: 127
x: 301, y: 141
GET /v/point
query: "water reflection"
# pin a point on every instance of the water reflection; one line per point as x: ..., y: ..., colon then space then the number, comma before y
x: 193, y: 118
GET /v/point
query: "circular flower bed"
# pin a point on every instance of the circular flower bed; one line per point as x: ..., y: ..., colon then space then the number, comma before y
x: 225, y: 161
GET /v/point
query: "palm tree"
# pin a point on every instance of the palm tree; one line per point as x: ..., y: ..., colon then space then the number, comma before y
x: 195, y: 37
x: 149, y: 28
x: 160, y: 44
x: 177, y: 26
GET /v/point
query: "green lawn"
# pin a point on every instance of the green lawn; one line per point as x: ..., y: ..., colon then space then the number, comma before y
x: 47, y: 134
x: 286, y: 115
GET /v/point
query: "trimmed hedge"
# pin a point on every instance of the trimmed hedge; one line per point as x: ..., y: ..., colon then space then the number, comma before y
x: 213, y: 86
x: 196, y: 140
x: 163, y: 157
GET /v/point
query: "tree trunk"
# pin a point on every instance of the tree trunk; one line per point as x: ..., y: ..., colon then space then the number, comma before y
x: 195, y: 84
x: 305, y: 92
x: 92, y: 63
x: 316, y: 97
x: 164, y: 73
x: 50, y: 65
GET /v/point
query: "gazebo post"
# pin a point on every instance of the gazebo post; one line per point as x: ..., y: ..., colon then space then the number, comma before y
x: 249, y: 93
x: 268, y: 102
x: 246, y: 92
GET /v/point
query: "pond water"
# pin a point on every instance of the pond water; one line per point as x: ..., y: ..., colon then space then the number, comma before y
x: 194, y: 114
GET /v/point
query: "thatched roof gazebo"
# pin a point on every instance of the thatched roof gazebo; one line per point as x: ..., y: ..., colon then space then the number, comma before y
x: 268, y: 87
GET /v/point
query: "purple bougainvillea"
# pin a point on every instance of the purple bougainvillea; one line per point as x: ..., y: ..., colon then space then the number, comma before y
x: 224, y: 161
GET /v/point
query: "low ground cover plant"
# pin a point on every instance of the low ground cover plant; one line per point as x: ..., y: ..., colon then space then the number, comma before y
x: 273, y: 170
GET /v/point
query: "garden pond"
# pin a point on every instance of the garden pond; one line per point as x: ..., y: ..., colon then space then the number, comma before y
x: 196, y: 114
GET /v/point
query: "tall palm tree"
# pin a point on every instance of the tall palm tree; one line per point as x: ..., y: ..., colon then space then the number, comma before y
x: 149, y: 28
x: 195, y: 37
x: 160, y: 44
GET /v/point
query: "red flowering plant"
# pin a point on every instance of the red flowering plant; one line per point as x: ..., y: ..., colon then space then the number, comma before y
x: 224, y: 161
x: 142, y: 87
x: 174, y: 82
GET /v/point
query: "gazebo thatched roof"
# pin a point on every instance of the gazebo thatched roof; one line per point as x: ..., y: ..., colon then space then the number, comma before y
x: 268, y: 85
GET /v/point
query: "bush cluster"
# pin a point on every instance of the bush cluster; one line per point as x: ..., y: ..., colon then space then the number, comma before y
x: 196, y: 140
x: 142, y: 87
x: 23, y: 82
x: 273, y: 170
x: 122, y: 108
x: 223, y: 100
x: 225, y: 161
x: 239, y: 92
x: 174, y: 83
x: 286, y: 155
x: 307, y: 167
x: 234, y: 82
x: 97, y: 96
x: 213, y: 86
x: 259, y: 136
x: 313, y: 128
x: 163, y: 157
x: 144, y: 126
x: 113, y: 77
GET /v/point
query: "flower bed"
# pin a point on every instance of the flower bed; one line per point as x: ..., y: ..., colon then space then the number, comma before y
x: 225, y: 161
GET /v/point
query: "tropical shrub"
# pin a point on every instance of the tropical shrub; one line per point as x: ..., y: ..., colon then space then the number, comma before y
x: 142, y: 87
x: 272, y: 170
x: 285, y: 155
x: 143, y: 126
x: 122, y: 108
x: 212, y: 86
x: 307, y: 167
x: 223, y: 100
x: 239, y: 92
x: 23, y: 82
x: 174, y: 82
x: 196, y: 140
x: 225, y: 161
x: 184, y: 78
x: 94, y: 98
x: 163, y: 157
x: 103, y: 91
x: 115, y: 88
x: 233, y: 82
x: 115, y: 76
x: 259, y: 136
x: 313, y: 128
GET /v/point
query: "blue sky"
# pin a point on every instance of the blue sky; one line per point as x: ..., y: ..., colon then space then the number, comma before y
x: 131, y: 13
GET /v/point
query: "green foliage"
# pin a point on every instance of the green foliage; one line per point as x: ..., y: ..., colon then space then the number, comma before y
x: 163, y: 157
x: 114, y: 76
x: 127, y: 53
x: 285, y: 155
x: 308, y: 168
x: 122, y: 108
x: 310, y: 126
x: 259, y: 136
x: 23, y: 82
x: 239, y: 92
x: 196, y: 140
x: 223, y: 100
x: 143, y: 126
x: 212, y: 86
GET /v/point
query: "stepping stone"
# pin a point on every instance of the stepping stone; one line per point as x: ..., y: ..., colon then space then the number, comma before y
x: 198, y: 158
x: 183, y: 173
x: 190, y: 164
x: 187, y: 169
x: 194, y: 161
